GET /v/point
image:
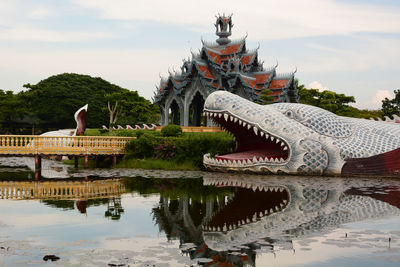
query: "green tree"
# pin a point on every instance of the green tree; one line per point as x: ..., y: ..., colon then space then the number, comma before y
x: 333, y: 102
x: 11, y: 106
x: 391, y: 107
x: 12, y: 109
x: 127, y: 107
x: 54, y: 100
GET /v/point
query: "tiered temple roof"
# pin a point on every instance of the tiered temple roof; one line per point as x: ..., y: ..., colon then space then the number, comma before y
x: 227, y: 65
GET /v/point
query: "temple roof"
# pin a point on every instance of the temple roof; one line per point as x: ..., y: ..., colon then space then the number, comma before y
x: 226, y: 64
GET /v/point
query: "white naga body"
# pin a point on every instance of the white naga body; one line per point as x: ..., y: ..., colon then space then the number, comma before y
x: 317, y: 140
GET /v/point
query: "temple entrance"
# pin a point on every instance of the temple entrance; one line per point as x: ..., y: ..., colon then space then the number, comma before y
x: 196, y: 110
x: 174, y: 114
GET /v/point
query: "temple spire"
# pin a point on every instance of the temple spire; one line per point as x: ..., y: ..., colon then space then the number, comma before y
x: 223, y: 27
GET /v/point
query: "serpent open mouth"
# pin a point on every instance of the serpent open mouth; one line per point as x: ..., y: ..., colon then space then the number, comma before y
x: 247, y: 206
x: 254, y: 144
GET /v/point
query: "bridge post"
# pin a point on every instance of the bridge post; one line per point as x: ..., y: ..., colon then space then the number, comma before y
x: 38, y: 167
x: 76, y: 161
x: 114, y: 160
x: 86, y: 161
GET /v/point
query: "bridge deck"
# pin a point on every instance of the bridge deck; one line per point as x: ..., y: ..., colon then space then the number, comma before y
x: 29, y: 145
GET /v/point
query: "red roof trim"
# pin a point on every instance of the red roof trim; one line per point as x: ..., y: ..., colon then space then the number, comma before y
x: 206, y: 72
x: 275, y: 84
x: 262, y: 78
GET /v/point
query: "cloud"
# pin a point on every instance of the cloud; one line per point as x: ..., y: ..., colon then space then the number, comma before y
x: 376, y: 101
x: 130, y: 68
x: 40, y: 13
x: 26, y: 33
x: 317, y: 85
x: 262, y: 19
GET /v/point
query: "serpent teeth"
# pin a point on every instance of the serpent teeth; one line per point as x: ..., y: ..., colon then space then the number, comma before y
x: 255, y: 130
x: 226, y: 116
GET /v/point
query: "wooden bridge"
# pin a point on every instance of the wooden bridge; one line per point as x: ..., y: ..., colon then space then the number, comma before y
x: 73, y: 190
x: 38, y: 146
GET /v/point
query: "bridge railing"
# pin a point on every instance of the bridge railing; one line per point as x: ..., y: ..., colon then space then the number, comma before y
x: 61, y: 189
x: 62, y: 145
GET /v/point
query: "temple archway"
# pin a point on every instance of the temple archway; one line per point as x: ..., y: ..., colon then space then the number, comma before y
x: 196, y: 110
x: 174, y: 113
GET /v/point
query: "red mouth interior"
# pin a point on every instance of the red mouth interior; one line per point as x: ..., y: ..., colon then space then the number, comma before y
x: 238, y: 211
x: 250, y: 145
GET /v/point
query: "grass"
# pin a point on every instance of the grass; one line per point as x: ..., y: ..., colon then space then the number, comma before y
x: 157, y: 164
x: 94, y: 132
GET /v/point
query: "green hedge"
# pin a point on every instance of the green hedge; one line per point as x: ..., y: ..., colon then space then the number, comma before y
x: 189, y: 147
x: 171, y: 130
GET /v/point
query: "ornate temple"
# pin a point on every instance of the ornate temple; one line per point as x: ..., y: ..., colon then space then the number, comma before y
x: 224, y: 65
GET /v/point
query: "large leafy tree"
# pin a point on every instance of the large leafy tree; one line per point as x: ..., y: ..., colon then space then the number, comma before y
x: 127, y: 107
x: 11, y: 106
x: 54, y: 100
x: 391, y: 107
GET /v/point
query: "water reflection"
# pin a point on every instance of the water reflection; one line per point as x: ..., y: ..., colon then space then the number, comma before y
x: 260, y: 215
x: 68, y: 194
x: 232, y: 220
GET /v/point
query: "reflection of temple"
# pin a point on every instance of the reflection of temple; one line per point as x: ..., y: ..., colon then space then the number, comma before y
x: 114, y: 209
x: 184, y: 218
x: 265, y: 215
x: 225, y: 65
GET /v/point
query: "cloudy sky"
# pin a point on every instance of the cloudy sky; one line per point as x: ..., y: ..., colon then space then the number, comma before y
x: 348, y: 46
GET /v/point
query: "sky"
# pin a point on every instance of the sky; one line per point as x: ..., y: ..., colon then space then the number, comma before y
x: 347, y: 46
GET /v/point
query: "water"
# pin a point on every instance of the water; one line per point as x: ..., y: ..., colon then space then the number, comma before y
x: 121, y: 217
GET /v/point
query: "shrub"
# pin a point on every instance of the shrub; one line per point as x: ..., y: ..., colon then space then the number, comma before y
x: 145, y: 146
x: 171, y: 130
x: 188, y: 147
x: 165, y: 151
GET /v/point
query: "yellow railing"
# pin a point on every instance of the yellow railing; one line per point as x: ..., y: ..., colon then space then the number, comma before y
x: 62, y: 145
x: 193, y: 129
x: 61, y: 189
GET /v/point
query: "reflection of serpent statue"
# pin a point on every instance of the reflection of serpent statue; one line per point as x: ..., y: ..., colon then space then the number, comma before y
x: 286, y: 207
x: 297, y: 138
x: 266, y: 214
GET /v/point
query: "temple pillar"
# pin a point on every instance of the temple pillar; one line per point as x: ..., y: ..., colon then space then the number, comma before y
x: 162, y: 116
x: 166, y: 116
x: 186, y: 113
x: 182, y: 117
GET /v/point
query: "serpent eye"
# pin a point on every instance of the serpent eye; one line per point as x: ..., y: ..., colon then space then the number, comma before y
x: 289, y: 114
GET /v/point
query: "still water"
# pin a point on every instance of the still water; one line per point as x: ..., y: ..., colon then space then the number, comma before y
x: 118, y: 217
